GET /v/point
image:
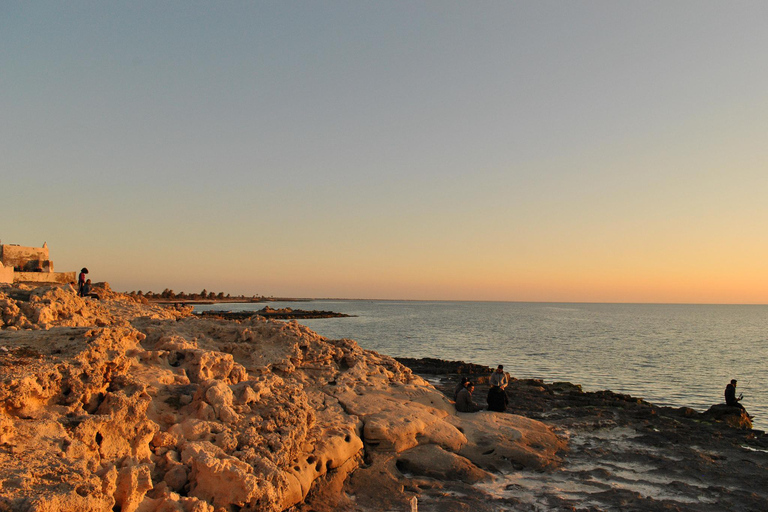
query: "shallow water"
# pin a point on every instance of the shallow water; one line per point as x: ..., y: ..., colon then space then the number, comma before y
x: 678, y: 355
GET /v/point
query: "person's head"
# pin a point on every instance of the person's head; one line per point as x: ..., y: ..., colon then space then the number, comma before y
x: 88, y: 281
x: 733, y: 382
x: 464, y: 381
x: 84, y: 270
x: 470, y: 386
x: 500, y: 368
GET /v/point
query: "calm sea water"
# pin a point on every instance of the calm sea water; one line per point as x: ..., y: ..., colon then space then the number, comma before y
x: 678, y: 355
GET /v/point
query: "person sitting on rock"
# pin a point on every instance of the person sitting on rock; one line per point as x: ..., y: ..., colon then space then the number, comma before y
x: 461, y: 385
x: 86, y: 291
x: 499, y: 378
x: 497, y: 399
x: 464, y: 402
x: 730, y: 395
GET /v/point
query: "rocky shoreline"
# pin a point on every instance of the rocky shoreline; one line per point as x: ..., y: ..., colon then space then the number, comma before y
x: 119, y: 405
x: 625, y: 453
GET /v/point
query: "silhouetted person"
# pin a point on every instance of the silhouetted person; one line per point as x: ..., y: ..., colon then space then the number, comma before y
x: 81, y: 281
x: 464, y: 402
x: 497, y: 399
x: 730, y: 395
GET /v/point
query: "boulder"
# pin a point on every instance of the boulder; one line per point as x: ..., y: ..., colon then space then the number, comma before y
x: 733, y: 416
x: 432, y: 461
x: 507, y: 442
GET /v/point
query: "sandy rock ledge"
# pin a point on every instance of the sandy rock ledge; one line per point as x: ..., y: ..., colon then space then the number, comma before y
x: 114, y: 405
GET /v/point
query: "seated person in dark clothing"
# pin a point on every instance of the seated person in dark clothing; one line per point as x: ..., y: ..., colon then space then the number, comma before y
x: 459, y: 387
x: 464, y: 402
x: 730, y: 395
x: 497, y: 399
x: 86, y: 291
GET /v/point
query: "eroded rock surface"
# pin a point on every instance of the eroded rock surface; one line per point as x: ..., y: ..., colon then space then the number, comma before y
x: 115, y: 405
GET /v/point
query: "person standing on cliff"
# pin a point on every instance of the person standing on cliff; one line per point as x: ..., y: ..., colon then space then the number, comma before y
x: 730, y: 395
x: 81, y: 281
x: 464, y: 402
x: 499, y: 378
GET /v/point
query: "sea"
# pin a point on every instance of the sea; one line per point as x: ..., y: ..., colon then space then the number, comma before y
x: 668, y: 354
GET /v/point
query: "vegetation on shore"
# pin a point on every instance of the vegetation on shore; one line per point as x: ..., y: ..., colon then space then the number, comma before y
x: 169, y: 294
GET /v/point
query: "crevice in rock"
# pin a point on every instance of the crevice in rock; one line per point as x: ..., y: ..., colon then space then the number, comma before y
x: 94, y: 403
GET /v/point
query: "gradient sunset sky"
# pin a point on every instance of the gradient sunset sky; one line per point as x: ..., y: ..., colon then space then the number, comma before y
x: 593, y: 151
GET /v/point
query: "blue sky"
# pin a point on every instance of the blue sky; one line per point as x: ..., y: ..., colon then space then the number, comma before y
x: 597, y: 151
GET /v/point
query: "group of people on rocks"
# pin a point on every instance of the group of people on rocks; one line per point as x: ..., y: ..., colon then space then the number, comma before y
x: 84, y: 285
x: 498, y: 401
x: 497, y: 396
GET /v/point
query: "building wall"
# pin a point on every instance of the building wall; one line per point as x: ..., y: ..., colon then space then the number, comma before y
x: 44, y: 277
x: 27, y: 258
x: 33, y: 264
x: 6, y: 274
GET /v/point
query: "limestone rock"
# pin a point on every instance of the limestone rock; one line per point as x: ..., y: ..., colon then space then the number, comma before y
x: 114, y: 404
x: 505, y: 442
x: 434, y: 462
x: 133, y: 482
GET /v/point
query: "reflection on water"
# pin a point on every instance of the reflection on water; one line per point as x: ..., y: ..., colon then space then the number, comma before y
x: 680, y: 355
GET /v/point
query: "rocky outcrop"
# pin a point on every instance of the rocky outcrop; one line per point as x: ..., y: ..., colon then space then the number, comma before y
x: 733, y: 416
x: 24, y: 307
x: 113, y: 404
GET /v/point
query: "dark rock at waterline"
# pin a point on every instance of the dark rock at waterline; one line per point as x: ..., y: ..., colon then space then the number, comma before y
x: 733, y: 416
x: 268, y: 312
x: 433, y: 366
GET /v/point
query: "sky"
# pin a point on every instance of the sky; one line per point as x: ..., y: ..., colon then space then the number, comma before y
x: 579, y: 151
